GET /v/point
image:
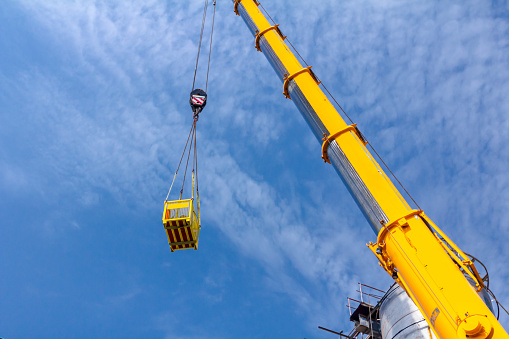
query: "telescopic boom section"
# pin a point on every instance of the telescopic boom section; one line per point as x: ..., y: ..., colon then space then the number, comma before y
x: 407, y: 246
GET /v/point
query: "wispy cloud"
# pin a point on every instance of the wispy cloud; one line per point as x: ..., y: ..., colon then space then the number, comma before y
x: 426, y: 82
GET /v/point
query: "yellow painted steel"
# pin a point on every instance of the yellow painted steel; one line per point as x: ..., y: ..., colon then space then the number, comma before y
x: 259, y: 35
x: 415, y: 256
x: 375, y: 179
x: 182, y: 222
x: 407, y: 247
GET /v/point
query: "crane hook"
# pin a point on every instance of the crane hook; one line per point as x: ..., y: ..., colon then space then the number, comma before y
x: 197, y: 100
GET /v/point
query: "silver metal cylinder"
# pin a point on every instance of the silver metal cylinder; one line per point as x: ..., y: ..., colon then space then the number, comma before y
x: 400, y: 318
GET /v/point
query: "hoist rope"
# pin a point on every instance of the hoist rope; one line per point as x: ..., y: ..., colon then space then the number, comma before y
x: 273, y: 22
x: 204, y: 19
x: 178, y: 167
x: 193, y: 129
x: 201, y: 38
x: 210, y: 47
x: 195, y: 164
x: 192, y: 132
x: 342, y: 110
x: 192, y: 146
x: 394, y: 175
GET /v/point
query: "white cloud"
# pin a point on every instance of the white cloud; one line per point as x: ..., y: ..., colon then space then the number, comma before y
x: 426, y: 82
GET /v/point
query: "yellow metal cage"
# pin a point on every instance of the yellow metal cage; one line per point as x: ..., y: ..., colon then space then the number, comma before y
x: 182, y: 224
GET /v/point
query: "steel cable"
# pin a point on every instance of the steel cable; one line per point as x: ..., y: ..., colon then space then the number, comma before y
x: 201, y: 38
x: 210, y: 47
x: 180, y: 162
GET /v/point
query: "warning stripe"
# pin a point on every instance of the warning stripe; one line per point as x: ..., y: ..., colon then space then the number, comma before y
x: 185, y: 232
x: 198, y: 100
x: 178, y: 237
x: 178, y: 223
x: 189, y: 233
x: 181, y: 234
x: 189, y: 236
x: 171, y: 237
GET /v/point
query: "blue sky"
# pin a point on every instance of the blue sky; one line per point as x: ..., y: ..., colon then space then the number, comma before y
x: 93, y: 118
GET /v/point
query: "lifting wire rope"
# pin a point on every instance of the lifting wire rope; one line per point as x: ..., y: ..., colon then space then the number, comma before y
x: 201, y: 39
x: 181, y: 218
x: 198, y: 100
x: 192, y: 137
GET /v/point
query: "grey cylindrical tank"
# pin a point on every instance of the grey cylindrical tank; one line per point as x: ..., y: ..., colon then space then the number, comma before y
x: 400, y: 318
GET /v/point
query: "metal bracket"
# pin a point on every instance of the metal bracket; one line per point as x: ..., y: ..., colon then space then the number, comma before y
x: 290, y: 77
x: 236, y: 5
x: 260, y: 34
x: 456, y: 254
x: 328, y: 139
x: 381, y: 254
x: 399, y: 222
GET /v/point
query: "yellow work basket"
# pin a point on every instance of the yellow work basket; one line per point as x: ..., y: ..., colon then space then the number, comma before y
x: 182, y: 223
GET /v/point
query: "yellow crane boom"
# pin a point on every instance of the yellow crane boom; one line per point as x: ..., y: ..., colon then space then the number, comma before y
x: 422, y: 260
